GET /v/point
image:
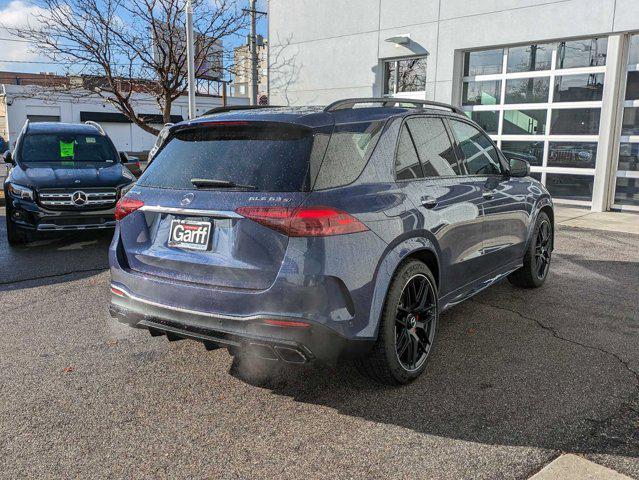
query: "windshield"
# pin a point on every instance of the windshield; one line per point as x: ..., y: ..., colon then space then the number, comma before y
x: 67, y: 148
x: 265, y: 157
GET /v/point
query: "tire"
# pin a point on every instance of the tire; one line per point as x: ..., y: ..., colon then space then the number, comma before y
x: 534, y: 272
x: 15, y: 235
x: 401, y: 335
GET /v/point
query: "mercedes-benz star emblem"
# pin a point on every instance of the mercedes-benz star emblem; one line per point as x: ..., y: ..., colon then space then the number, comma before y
x: 188, y: 198
x: 79, y: 198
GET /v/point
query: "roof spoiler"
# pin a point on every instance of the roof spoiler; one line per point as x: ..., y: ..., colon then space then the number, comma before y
x: 231, y: 108
x: 348, y: 103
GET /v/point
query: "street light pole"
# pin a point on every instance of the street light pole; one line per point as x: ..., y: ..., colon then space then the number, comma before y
x: 190, y: 57
x: 253, y: 52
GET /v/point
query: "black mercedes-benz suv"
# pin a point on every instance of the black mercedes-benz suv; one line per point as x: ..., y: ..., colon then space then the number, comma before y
x: 64, y: 177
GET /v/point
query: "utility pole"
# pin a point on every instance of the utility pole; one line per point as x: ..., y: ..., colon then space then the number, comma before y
x: 253, y: 52
x: 190, y: 57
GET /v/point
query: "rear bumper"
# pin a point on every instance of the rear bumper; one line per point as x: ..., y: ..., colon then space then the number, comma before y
x: 314, y: 342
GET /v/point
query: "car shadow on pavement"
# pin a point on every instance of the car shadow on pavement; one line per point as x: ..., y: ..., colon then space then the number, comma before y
x: 505, y: 371
x: 52, y: 258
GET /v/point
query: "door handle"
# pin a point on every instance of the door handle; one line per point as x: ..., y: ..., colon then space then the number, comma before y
x: 488, y: 194
x: 429, y: 202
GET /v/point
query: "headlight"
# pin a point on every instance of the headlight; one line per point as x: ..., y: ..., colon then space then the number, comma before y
x: 18, y: 191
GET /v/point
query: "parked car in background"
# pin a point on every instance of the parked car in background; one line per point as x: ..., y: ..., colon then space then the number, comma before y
x: 64, y: 177
x: 133, y: 164
x: 306, y: 234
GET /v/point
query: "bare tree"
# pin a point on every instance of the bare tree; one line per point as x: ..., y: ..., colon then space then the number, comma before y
x: 121, y: 48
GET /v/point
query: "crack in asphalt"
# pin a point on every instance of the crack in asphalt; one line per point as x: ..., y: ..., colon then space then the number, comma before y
x: 54, y: 275
x: 624, y: 408
x: 554, y: 333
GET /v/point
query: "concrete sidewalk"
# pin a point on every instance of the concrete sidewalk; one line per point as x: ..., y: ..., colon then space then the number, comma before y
x: 624, y: 222
x: 573, y: 467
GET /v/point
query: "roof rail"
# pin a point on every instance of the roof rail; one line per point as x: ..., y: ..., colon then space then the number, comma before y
x: 96, y: 125
x: 230, y: 108
x: 385, y: 102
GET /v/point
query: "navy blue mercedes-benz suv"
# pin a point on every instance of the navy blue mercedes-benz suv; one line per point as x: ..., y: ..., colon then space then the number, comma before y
x: 64, y: 177
x: 304, y: 234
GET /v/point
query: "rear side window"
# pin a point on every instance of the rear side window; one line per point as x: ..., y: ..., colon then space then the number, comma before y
x: 480, y: 156
x: 434, y: 147
x: 407, y: 166
x: 347, y: 153
x: 268, y: 157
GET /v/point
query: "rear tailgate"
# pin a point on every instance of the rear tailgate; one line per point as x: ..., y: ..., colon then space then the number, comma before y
x: 237, y: 253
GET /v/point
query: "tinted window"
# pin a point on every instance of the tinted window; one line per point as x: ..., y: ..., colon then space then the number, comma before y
x: 632, y: 86
x: 407, y: 163
x: 529, y: 58
x: 488, y: 120
x: 269, y: 157
x: 527, y: 90
x: 532, y: 152
x: 573, y: 187
x: 480, y: 156
x: 575, y: 121
x: 630, y: 123
x: 590, y: 52
x: 483, y: 63
x: 348, y: 151
x: 481, y: 93
x: 574, y: 154
x: 524, y: 122
x: 433, y: 147
x: 627, y: 192
x: 67, y: 148
x: 629, y: 157
x: 579, y: 88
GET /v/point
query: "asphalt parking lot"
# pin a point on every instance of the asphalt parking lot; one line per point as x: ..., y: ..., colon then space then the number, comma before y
x: 517, y: 378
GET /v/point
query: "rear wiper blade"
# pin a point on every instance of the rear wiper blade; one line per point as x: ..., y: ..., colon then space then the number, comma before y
x: 214, y: 183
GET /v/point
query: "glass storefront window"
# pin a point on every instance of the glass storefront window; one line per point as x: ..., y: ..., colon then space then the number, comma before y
x: 536, y: 176
x: 486, y: 62
x: 529, y: 58
x: 590, y: 52
x: 575, y: 121
x: 524, y: 122
x: 527, y: 90
x: 481, y: 93
x: 629, y: 157
x: 627, y: 191
x: 489, y: 121
x: 572, y: 154
x: 630, y: 123
x: 405, y: 75
x: 570, y: 187
x: 532, y: 152
x: 632, y: 86
x: 579, y: 88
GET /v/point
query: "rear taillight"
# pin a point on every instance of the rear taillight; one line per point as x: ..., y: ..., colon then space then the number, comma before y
x: 125, y: 206
x: 304, y: 221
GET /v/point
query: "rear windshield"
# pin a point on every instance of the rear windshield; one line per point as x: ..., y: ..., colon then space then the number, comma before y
x: 268, y: 157
x: 66, y: 148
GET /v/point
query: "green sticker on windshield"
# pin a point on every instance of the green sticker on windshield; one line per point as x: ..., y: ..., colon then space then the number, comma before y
x: 66, y: 149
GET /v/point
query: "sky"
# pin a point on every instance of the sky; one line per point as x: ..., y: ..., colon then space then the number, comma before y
x: 16, y: 56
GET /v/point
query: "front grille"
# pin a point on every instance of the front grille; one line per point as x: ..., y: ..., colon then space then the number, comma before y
x: 90, y: 198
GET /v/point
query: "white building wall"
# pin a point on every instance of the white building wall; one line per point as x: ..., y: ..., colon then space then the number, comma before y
x: 21, y: 102
x: 322, y: 51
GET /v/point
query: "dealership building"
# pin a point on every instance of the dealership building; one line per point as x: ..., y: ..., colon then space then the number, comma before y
x: 553, y: 82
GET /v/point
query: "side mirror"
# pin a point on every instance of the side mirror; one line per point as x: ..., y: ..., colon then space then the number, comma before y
x: 519, y: 167
x: 124, y: 157
x: 7, y: 157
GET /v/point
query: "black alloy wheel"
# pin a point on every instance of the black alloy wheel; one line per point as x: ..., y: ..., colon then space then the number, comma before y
x: 543, y: 249
x: 414, y: 322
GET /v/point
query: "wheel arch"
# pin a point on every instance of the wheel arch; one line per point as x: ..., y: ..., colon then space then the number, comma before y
x: 421, y: 248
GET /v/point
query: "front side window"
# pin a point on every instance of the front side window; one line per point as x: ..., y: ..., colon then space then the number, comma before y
x: 480, y: 156
x: 433, y: 147
x: 405, y: 75
x: 70, y: 149
x: 407, y: 165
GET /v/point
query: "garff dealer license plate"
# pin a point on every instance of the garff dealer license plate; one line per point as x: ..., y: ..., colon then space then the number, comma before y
x: 190, y: 234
